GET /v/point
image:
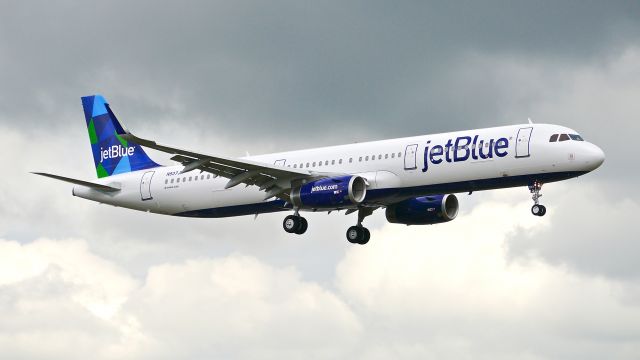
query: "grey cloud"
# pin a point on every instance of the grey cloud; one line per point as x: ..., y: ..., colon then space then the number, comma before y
x: 391, y: 300
x: 285, y: 66
x: 229, y: 77
x: 591, y: 232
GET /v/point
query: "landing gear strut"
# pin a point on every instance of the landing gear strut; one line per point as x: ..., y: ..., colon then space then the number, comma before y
x: 537, y: 209
x: 295, y: 224
x: 359, y: 234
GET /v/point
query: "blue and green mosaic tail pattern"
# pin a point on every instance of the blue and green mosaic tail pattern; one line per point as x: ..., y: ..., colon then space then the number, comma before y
x: 111, y: 154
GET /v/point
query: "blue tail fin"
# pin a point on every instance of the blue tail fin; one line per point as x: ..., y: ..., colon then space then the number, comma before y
x: 111, y: 154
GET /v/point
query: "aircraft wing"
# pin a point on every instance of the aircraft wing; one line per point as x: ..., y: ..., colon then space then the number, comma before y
x: 274, y: 180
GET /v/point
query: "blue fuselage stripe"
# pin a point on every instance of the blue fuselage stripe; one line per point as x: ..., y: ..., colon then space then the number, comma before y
x: 391, y: 195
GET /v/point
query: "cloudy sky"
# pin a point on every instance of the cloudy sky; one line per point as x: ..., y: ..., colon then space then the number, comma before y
x: 82, y: 280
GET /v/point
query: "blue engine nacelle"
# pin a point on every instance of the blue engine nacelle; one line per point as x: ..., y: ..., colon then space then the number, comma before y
x: 424, y: 210
x: 330, y: 192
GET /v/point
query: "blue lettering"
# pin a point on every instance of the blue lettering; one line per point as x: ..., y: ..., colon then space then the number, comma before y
x: 464, y: 147
x: 426, y: 159
x: 447, y: 154
x: 436, y: 151
x: 488, y: 146
x: 502, y: 143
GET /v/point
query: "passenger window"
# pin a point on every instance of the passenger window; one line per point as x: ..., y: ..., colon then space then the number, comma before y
x: 178, y: 180
x: 208, y: 176
x: 350, y: 160
x: 399, y: 154
x: 184, y: 179
x: 190, y: 178
x: 564, y: 137
x: 320, y: 163
x: 307, y: 165
x: 172, y: 180
x: 340, y: 161
x: 166, y: 181
x: 201, y: 177
x: 553, y: 138
x: 393, y: 155
x: 195, y: 178
x: 360, y: 159
x: 379, y: 157
x: 295, y: 166
x: 326, y: 163
x: 366, y: 158
x: 386, y: 156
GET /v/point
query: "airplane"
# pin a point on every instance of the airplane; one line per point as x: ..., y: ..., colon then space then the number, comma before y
x: 413, y: 178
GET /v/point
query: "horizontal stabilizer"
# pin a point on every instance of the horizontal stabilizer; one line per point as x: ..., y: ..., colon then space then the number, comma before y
x: 95, y: 186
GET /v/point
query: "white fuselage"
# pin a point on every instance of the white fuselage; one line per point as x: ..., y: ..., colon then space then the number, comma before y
x: 395, y: 169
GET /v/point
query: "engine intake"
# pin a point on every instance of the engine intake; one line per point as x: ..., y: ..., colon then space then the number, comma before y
x: 424, y: 210
x: 330, y: 192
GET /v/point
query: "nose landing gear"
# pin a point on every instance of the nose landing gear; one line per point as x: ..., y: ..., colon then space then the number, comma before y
x: 537, y: 209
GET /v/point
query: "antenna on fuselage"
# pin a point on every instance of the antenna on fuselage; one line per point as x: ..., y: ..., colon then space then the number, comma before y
x: 530, y: 122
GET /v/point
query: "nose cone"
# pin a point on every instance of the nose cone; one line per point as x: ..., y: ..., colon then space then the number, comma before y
x: 594, y: 157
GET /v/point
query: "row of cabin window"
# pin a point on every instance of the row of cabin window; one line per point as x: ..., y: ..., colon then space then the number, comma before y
x: 565, y: 137
x: 373, y: 157
x: 333, y: 162
x: 190, y: 178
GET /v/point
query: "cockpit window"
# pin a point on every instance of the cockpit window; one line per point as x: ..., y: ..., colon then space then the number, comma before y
x: 564, y: 137
x: 576, y: 137
x: 553, y: 138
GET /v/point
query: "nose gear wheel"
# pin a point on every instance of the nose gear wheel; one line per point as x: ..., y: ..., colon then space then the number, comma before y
x: 537, y: 209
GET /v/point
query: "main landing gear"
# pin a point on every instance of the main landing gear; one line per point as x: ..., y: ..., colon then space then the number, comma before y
x: 295, y: 224
x: 359, y: 234
x: 537, y: 209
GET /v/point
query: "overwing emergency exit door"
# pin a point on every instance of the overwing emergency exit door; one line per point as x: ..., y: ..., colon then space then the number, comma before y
x: 410, y: 157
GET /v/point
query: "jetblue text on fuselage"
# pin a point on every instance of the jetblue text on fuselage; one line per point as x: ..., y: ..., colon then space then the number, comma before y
x: 324, y: 188
x: 115, y: 151
x: 464, y: 147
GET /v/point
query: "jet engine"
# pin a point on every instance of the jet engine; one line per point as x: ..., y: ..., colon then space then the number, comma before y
x: 424, y: 210
x: 330, y: 192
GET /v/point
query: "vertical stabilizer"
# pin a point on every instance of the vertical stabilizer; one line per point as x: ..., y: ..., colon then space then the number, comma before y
x: 111, y: 154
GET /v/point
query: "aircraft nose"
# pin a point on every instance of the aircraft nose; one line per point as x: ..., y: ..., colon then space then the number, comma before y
x: 595, y: 157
